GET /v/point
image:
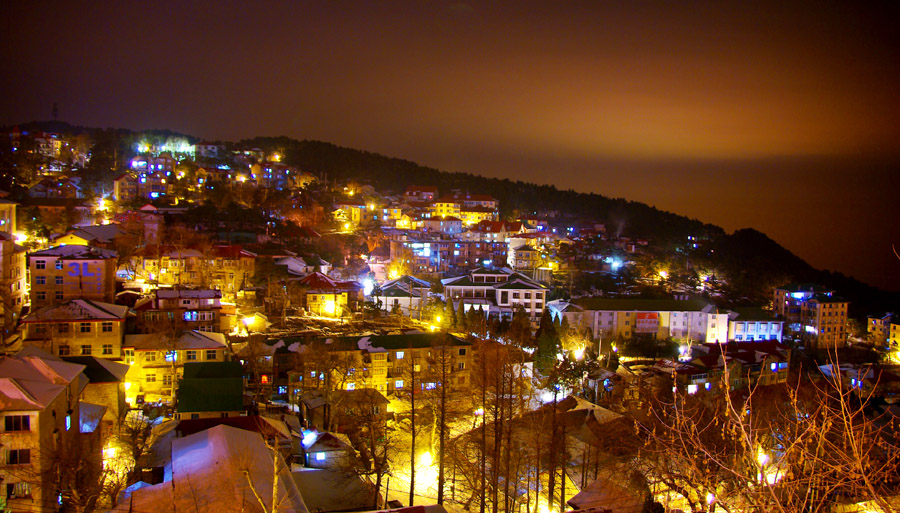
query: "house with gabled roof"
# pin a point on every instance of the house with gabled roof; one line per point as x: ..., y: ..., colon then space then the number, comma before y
x: 327, y: 450
x: 327, y: 297
x: 185, y: 309
x: 223, y: 469
x: 48, y: 431
x: 498, y: 291
x: 524, y: 257
x: 100, y: 235
x: 77, y: 327
x: 406, y: 294
x: 106, y: 387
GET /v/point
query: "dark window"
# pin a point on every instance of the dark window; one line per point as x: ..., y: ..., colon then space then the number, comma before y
x: 17, y: 423
x: 18, y: 457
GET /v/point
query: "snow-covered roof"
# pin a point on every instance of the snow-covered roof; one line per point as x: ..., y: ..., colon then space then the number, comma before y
x: 213, y: 470
x: 31, y: 383
x: 188, y: 340
x: 75, y: 251
x: 188, y: 294
x: 78, y: 310
x: 90, y: 416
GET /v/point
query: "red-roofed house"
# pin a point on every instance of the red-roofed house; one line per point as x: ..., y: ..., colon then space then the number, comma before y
x: 420, y: 193
x: 327, y: 297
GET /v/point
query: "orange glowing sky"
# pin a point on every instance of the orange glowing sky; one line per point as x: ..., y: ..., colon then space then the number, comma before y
x: 733, y: 112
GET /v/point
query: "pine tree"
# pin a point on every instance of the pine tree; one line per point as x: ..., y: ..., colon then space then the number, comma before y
x: 519, y: 332
x: 450, y: 314
x: 461, y: 321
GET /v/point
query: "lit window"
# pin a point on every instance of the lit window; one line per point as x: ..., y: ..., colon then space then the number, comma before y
x: 398, y: 384
x: 320, y: 456
x: 399, y: 355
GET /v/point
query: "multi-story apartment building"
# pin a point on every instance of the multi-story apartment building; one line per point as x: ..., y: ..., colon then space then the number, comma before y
x: 879, y: 328
x: 8, y: 216
x: 125, y: 187
x: 442, y: 255
x: 446, y: 225
x: 185, y: 309
x: 684, y: 320
x: 813, y: 311
x: 12, y: 280
x: 524, y: 258
x: 77, y: 327
x: 46, y: 432
x: 377, y: 362
x: 72, y: 272
x: 157, y: 361
x: 225, y: 267
x: 753, y: 324
x: 497, y: 291
x: 471, y: 208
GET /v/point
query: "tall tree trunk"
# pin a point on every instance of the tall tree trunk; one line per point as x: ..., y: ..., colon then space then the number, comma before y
x: 554, y: 442
x: 412, y: 422
x: 443, y: 426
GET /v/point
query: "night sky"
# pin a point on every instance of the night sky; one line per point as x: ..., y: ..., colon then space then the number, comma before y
x: 784, y: 118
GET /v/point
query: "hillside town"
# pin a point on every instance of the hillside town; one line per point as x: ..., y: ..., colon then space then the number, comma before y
x: 202, y: 326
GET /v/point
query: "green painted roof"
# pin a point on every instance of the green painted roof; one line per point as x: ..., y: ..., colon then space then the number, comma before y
x: 212, y: 370
x: 519, y: 285
x: 211, y: 386
x: 210, y: 394
x: 413, y: 340
x: 647, y: 305
x: 753, y: 313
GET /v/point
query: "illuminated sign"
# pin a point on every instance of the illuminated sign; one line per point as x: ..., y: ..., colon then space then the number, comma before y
x: 647, y: 322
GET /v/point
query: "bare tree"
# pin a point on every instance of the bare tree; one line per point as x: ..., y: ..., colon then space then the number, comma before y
x: 804, y: 447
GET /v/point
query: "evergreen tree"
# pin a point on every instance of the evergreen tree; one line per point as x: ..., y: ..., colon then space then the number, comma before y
x: 519, y: 332
x: 548, y: 344
x: 461, y: 321
x: 564, y: 328
x: 546, y: 325
x: 450, y: 314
